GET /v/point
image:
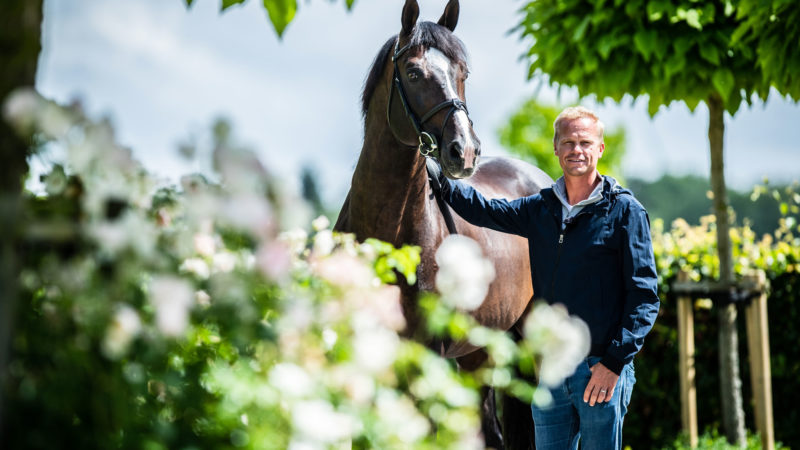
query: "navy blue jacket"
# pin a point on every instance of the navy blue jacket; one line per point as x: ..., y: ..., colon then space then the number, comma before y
x: 601, y: 266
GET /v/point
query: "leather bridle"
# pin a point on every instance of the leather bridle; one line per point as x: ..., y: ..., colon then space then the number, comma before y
x: 428, y: 143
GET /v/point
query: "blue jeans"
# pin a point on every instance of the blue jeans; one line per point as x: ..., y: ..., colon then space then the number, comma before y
x: 567, y: 419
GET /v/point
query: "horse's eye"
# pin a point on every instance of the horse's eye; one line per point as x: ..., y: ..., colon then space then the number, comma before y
x: 413, y: 75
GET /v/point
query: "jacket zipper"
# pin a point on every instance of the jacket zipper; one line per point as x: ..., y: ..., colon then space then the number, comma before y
x: 558, y: 254
x: 555, y: 266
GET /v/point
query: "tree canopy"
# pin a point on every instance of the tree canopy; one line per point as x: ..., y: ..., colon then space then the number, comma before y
x: 669, y: 50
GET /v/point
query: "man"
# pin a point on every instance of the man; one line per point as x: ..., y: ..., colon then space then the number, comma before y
x: 590, y: 249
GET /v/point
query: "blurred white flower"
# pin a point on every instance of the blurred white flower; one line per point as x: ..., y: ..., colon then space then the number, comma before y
x: 300, y: 444
x: 124, y: 327
x: 542, y: 396
x: 205, y: 244
x: 197, y: 267
x: 172, y: 298
x: 296, y: 240
x: 21, y: 108
x: 464, y: 274
x: 298, y: 316
x: 317, y: 420
x: 249, y: 212
x: 223, y: 262
x: 384, y: 304
x: 202, y: 299
x: 400, y: 417
x: 323, y: 243
x: 375, y: 348
x: 291, y: 380
x: 341, y: 269
x: 25, y: 108
x: 329, y: 337
x: 274, y: 260
x: 562, y: 340
x: 320, y: 223
x: 131, y: 231
x: 358, y: 385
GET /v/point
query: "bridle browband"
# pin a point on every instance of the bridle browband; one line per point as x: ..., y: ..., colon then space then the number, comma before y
x: 428, y: 144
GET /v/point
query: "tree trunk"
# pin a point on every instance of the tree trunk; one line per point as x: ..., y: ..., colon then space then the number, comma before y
x: 20, y: 44
x: 730, y: 380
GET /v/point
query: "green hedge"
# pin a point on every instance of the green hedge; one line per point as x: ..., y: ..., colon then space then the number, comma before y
x: 654, y: 419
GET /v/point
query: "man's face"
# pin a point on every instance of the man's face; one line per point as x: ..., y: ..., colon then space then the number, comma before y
x: 579, y: 147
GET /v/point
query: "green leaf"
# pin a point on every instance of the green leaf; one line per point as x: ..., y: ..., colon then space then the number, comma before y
x: 734, y: 102
x: 691, y: 102
x: 645, y: 41
x: 682, y: 45
x: 228, y: 3
x: 189, y: 3
x: 580, y: 30
x: 656, y: 9
x: 675, y: 64
x: 723, y: 81
x: 607, y: 43
x: 349, y: 4
x: 281, y: 13
x: 710, y: 53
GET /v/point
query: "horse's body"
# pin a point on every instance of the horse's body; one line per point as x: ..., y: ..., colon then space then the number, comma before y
x: 399, y: 207
x: 390, y: 197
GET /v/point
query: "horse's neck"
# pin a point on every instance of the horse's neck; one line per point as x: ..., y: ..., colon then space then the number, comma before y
x: 388, y: 197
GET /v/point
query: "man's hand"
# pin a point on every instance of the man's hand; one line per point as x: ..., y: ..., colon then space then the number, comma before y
x: 601, y: 385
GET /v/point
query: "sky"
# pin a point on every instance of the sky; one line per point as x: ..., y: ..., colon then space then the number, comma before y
x: 163, y: 73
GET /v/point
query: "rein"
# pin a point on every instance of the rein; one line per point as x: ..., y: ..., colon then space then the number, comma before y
x: 433, y: 179
x: 428, y: 144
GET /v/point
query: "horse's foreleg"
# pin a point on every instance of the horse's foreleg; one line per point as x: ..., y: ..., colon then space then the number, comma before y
x: 490, y: 425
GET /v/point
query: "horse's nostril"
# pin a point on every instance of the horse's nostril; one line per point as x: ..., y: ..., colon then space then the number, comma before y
x: 456, y: 151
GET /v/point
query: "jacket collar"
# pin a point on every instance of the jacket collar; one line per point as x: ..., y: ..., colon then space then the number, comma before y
x: 609, y: 192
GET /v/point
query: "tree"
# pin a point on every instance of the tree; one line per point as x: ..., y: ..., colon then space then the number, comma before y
x: 529, y: 134
x: 310, y: 189
x: 20, y: 43
x: 722, y: 53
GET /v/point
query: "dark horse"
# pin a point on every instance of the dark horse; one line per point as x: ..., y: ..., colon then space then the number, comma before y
x: 414, y: 107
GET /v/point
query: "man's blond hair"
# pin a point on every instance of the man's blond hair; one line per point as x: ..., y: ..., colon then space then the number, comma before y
x: 577, y: 112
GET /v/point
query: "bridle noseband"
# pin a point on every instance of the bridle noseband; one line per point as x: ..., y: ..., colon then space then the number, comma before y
x: 428, y: 144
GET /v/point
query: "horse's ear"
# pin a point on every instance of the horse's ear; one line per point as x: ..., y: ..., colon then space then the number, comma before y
x: 410, y: 15
x: 449, y: 17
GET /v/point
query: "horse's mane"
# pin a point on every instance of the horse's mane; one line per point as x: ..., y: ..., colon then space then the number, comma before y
x: 426, y: 34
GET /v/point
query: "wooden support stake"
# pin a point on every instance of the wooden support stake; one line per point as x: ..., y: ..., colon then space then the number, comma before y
x: 687, y: 365
x: 760, y: 371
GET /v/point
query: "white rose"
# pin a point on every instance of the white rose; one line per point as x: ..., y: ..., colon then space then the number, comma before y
x: 464, y: 274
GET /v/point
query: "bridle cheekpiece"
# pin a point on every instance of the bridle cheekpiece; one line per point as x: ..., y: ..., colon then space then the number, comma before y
x: 428, y: 144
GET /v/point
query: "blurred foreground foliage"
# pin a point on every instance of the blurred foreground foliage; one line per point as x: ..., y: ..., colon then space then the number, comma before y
x: 217, y: 314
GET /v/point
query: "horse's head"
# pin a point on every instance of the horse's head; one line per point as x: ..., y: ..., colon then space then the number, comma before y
x: 427, y: 105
